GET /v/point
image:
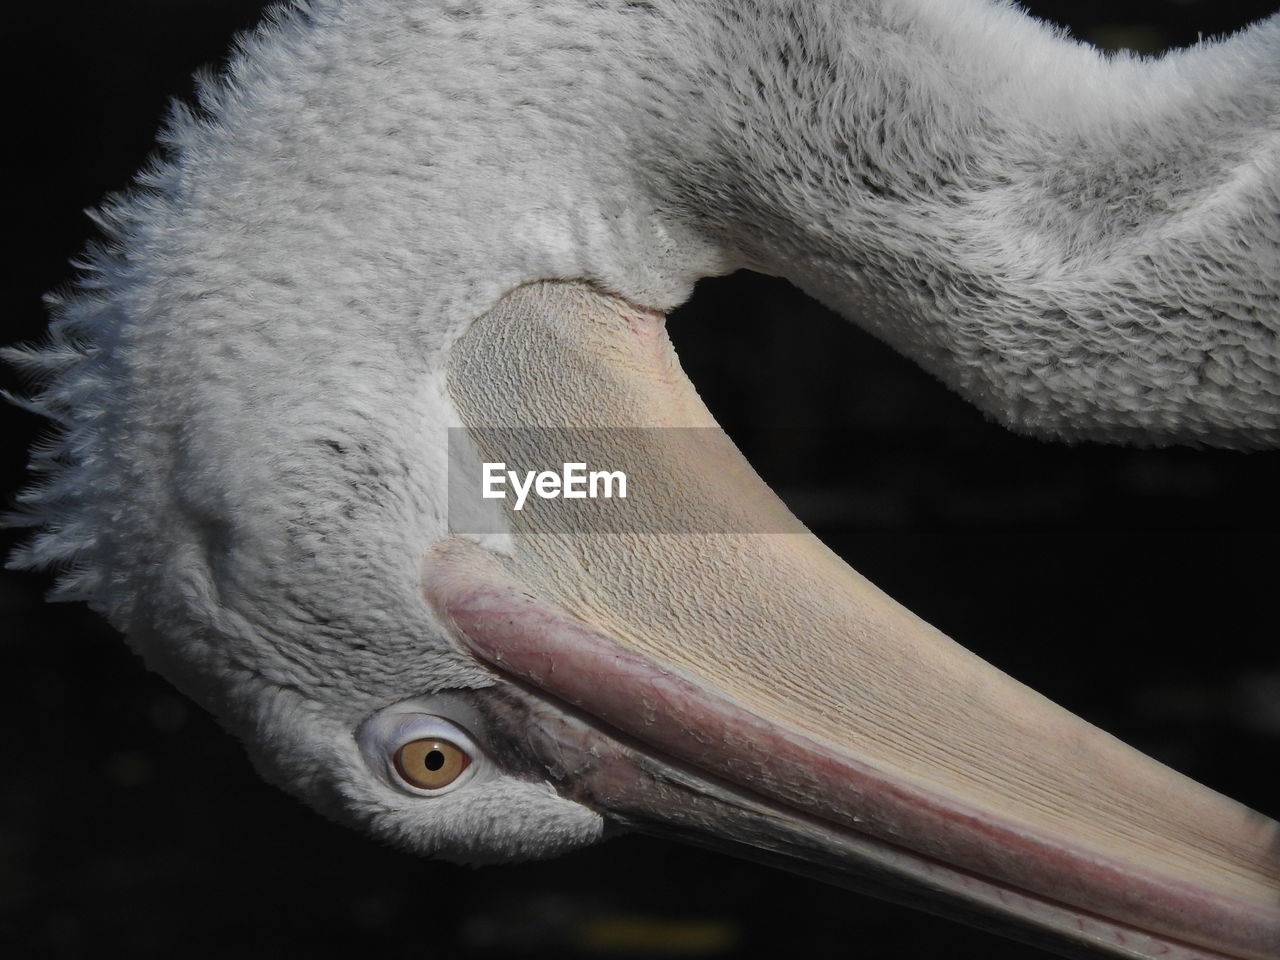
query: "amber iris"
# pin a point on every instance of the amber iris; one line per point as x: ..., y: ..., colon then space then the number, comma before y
x: 430, y: 764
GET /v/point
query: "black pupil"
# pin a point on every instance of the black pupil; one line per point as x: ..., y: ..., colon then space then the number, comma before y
x: 433, y: 760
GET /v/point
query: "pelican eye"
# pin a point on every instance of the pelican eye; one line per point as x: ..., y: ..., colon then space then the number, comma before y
x: 412, y: 748
x: 431, y: 763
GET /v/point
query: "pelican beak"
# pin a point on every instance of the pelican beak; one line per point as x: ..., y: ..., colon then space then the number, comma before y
x: 693, y: 661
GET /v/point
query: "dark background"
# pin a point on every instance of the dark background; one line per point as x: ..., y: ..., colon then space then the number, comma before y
x: 1138, y: 588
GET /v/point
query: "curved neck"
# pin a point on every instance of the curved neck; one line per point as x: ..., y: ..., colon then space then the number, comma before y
x: 1084, y: 246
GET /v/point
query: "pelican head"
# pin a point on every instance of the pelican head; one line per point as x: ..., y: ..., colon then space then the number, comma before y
x: 399, y: 241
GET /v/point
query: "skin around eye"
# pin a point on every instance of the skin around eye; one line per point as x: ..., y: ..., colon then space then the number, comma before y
x: 416, y: 746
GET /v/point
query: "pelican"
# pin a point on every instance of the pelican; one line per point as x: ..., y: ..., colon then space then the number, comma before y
x: 391, y: 221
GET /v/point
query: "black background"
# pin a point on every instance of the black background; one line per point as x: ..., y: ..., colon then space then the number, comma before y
x: 1138, y: 588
